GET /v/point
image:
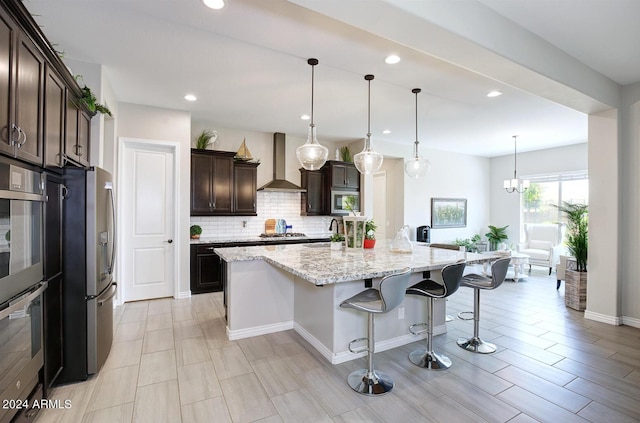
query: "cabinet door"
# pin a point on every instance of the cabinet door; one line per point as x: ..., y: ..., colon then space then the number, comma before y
x: 222, y: 185
x: 71, y: 130
x: 352, y: 177
x: 244, y: 189
x: 29, y: 100
x: 205, y: 269
x: 201, y: 177
x: 338, y: 176
x: 314, y: 200
x: 84, y: 138
x: 54, y: 106
x: 7, y: 32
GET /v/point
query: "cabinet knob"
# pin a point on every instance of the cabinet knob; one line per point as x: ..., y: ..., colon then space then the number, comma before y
x: 170, y: 241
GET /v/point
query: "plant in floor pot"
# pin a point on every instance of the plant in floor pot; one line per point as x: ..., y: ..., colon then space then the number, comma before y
x: 496, y: 236
x: 370, y: 234
x: 575, y: 289
x: 195, y: 231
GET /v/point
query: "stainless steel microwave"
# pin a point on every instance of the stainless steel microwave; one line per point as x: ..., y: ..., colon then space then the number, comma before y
x: 341, y: 201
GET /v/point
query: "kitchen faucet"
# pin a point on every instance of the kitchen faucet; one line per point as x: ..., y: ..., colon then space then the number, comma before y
x: 331, y: 225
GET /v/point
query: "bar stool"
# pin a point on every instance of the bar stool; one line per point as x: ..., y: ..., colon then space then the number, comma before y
x: 451, y: 276
x: 375, y: 301
x: 478, y: 282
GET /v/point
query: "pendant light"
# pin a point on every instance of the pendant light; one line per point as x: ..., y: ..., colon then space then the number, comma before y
x: 368, y: 161
x: 312, y: 155
x: 515, y: 184
x: 417, y: 166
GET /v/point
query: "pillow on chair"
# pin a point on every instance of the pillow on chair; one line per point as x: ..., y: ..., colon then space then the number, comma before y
x: 539, y: 245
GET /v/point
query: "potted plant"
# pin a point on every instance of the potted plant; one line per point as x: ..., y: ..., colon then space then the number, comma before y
x: 345, y: 153
x: 496, y: 236
x: 204, y: 139
x: 195, y: 231
x: 577, y: 240
x: 89, y: 99
x: 370, y: 234
x: 336, y: 241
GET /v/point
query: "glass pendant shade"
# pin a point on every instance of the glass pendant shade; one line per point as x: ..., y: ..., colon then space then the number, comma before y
x: 312, y: 155
x: 416, y: 167
x: 368, y: 161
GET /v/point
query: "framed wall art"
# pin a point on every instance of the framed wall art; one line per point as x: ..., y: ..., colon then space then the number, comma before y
x: 448, y: 213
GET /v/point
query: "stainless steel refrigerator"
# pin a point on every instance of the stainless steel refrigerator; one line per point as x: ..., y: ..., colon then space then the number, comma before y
x: 89, y: 251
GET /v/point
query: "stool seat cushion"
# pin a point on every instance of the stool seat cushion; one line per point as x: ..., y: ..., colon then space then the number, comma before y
x: 368, y: 300
x: 427, y: 288
x: 473, y: 280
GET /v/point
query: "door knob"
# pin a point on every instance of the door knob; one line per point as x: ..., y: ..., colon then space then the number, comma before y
x: 169, y: 241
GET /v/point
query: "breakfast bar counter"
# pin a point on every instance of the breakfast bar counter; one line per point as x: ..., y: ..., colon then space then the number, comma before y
x: 279, y: 287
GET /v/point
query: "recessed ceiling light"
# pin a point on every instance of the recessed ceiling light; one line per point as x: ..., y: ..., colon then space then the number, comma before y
x: 305, y: 117
x: 190, y: 97
x: 392, y: 60
x: 214, y: 4
x: 386, y: 131
x: 494, y: 94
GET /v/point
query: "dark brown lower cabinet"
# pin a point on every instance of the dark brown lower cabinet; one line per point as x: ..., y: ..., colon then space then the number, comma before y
x: 205, y: 269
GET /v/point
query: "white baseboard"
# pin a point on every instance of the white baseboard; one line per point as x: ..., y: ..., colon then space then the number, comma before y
x: 603, y: 318
x: 631, y: 321
x: 344, y: 356
x: 258, y: 330
x: 182, y: 295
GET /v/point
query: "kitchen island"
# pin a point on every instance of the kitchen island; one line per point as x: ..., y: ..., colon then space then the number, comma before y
x: 279, y: 287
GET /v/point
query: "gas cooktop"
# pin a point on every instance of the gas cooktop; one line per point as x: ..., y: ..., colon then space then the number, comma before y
x: 285, y: 235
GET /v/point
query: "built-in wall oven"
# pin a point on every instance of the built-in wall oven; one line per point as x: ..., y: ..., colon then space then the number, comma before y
x: 21, y: 286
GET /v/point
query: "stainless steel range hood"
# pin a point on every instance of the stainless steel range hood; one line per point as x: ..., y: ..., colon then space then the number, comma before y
x: 279, y: 184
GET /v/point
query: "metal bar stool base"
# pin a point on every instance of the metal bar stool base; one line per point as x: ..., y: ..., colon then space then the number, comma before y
x: 370, y: 383
x: 476, y: 345
x: 429, y: 360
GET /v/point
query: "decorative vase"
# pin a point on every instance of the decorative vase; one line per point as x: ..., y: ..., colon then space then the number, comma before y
x: 336, y: 246
x: 354, y: 231
x: 195, y: 236
x: 369, y: 243
x: 575, y: 290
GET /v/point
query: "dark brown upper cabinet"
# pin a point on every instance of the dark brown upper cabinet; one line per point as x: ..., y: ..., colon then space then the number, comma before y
x: 245, y: 177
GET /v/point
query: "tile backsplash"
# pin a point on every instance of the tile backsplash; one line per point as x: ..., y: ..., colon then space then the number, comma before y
x: 271, y: 205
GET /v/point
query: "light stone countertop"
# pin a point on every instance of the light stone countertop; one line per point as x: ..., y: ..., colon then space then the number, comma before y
x: 318, y: 264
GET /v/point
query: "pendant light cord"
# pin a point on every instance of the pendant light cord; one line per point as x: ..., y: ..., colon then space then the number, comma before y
x: 313, y: 63
x: 369, y: 78
x: 415, y: 145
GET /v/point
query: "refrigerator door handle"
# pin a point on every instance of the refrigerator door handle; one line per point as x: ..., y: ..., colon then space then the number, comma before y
x: 114, y: 290
x: 115, y: 230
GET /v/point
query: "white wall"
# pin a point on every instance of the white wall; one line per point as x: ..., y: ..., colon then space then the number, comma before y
x: 629, y: 228
x: 505, y: 207
x: 145, y: 122
x: 452, y: 175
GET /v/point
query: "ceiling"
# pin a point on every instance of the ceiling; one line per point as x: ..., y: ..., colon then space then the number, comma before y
x: 247, y: 65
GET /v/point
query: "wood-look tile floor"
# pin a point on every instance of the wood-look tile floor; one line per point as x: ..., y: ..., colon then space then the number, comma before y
x: 171, y: 362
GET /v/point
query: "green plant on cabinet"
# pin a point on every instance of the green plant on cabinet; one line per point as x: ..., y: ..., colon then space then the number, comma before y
x: 496, y: 235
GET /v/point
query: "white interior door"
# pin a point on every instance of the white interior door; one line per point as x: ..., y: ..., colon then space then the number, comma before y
x: 380, y: 204
x: 148, y: 192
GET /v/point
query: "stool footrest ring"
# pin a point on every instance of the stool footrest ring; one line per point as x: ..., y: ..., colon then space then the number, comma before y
x: 462, y: 315
x: 419, y: 332
x: 359, y: 349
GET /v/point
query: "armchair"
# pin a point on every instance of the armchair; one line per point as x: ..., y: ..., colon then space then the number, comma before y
x: 543, y: 244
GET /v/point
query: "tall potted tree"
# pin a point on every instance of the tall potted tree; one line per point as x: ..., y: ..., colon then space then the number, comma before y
x: 575, y: 294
